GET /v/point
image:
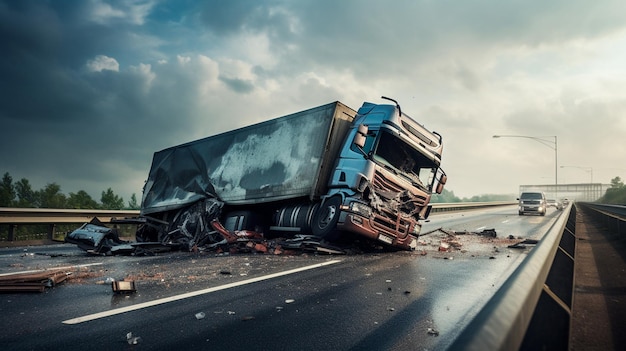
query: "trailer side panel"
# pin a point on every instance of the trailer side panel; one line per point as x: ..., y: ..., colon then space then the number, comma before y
x: 274, y: 160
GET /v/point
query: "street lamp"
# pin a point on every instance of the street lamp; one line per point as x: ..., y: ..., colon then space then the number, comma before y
x: 588, y: 169
x: 547, y: 142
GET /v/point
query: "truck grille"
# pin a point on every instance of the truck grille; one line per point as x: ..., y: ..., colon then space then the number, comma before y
x: 387, y: 225
x: 398, y: 199
x: 389, y: 188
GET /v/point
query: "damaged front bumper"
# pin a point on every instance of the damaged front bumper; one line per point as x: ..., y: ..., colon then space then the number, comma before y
x: 400, y: 234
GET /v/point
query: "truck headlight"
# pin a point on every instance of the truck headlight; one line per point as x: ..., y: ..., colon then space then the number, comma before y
x: 417, y: 229
x: 360, y: 208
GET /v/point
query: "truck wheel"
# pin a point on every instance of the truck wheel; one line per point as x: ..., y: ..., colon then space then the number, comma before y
x: 326, y: 217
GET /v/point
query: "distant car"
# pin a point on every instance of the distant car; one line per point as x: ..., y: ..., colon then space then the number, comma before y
x: 532, y: 202
x: 554, y: 203
x: 565, y: 202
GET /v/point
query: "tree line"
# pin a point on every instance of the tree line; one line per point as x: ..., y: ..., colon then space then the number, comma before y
x: 21, y: 194
x: 616, y: 194
x: 448, y: 196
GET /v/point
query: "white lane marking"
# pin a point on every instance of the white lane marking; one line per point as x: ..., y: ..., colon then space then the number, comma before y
x: 480, y: 228
x: 52, y: 269
x: 98, y: 315
x: 505, y: 221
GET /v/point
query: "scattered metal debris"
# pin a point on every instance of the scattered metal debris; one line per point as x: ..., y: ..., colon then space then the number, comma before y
x: 523, y: 244
x: 485, y: 232
x: 183, y: 234
x: 94, y: 237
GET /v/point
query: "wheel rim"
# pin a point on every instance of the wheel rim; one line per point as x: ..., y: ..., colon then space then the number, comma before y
x: 329, y: 215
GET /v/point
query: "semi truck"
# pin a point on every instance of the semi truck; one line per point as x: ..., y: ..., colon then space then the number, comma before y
x: 327, y: 171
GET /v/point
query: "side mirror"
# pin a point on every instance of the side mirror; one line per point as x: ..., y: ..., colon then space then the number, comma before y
x: 359, y: 138
x: 442, y: 181
x: 439, y: 189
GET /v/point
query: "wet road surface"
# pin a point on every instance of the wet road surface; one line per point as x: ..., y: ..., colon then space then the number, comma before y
x: 378, y: 300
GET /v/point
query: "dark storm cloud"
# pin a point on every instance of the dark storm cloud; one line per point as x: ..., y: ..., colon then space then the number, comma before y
x: 90, y: 89
x: 56, y: 114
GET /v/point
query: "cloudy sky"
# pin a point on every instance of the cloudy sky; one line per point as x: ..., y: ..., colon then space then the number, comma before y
x: 90, y: 89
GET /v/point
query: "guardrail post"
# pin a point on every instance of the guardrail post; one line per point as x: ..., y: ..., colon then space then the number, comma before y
x: 12, y: 230
x: 51, y: 229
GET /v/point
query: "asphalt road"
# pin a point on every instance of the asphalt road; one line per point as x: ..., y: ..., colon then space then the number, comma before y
x: 417, y: 300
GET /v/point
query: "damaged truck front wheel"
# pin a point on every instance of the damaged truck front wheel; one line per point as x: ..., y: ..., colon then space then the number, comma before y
x: 326, y: 217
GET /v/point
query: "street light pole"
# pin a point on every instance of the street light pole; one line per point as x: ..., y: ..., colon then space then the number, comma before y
x: 549, y: 143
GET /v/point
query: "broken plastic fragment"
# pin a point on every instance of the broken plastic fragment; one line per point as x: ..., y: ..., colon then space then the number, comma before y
x: 433, y: 332
x: 131, y: 339
x: 200, y: 315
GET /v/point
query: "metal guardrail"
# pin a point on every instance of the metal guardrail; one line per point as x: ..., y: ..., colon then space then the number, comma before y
x: 612, y: 216
x: 461, y: 206
x: 57, y: 216
x: 52, y: 217
x: 532, y: 309
x: 12, y: 217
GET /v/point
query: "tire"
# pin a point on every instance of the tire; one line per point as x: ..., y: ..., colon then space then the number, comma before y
x: 326, y: 217
x: 521, y: 213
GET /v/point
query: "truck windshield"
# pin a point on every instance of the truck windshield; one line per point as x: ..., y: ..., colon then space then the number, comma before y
x: 402, y: 159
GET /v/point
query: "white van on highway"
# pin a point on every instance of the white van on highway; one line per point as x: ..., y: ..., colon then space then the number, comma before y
x: 532, y: 202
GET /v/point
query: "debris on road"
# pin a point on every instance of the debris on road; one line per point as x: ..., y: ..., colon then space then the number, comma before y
x: 523, y: 244
x: 433, y: 332
x: 132, y: 339
x: 94, y: 237
x: 485, y: 242
x: 32, y: 282
x: 123, y: 287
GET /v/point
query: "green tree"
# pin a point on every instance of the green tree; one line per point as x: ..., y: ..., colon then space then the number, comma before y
x: 133, y: 204
x: 616, y: 183
x: 51, y: 196
x: 616, y: 194
x: 81, y: 200
x: 110, y: 201
x: 26, y: 196
x: 7, y: 191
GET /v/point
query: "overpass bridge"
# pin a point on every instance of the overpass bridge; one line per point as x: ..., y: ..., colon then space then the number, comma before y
x: 587, y: 192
